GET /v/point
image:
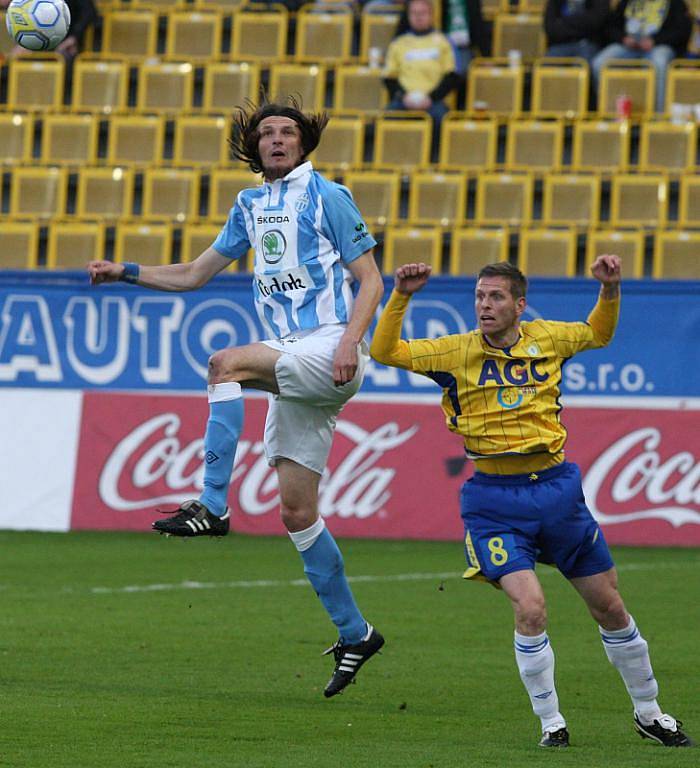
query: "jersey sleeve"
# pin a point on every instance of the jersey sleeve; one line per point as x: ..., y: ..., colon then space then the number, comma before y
x: 430, y: 356
x: 596, y: 332
x: 347, y: 230
x: 233, y: 240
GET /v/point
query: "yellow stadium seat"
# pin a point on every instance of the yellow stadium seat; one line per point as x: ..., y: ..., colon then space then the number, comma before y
x: 19, y: 245
x: 548, y: 252
x: 376, y: 194
x: 467, y: 143
x: 677, y: 255
x: 224, y: 186
x: 69, y: 139
x: 196, y: 238
x: 474, y: 247
x: 359, y: 88
x: 135, y: 140
x: 683, y: 83
x: 377, y: 28
x: 560, y: 87
x: 522, y: 32
x: 665, y: 146
x: 225, y: 6
x: 504, y: 198
x: 106, y: 193
x: 572, y: 199
x: 407, y: 245
x: 201, y: 141
x: 689, y: 201
x: 100, y: 85
x: 39, y: 191
x: 638, y: 200
x: 170, y: 193
x: 489, y: 8
x: 628, y: 244
x: 227, y: 83
x: 627, y: 77
x: 71, y: 244
x: 323, y: 33
x: 148, y: 244
x: 16, y: 138
x: 534, y: 145
x: 402, y: 140
x: 600, y: 145
x: 193, y: 35
x: 437, y: 198
x: 35, y: 82
x: 6, y: 42
x: 494, y: 87
x: 130, y: 33
x: 165, y: 87
x: 307, y: 81
x: 342, y: 143
x: 260, y: 33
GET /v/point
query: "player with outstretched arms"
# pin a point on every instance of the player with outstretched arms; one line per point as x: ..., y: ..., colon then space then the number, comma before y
x: 316, y: 287
x: 501, y: 389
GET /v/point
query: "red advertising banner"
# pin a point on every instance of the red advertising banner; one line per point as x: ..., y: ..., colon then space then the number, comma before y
x: 394, y: 470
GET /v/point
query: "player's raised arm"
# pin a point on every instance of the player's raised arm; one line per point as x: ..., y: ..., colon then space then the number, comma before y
x: 166, y: 277
x: 387, y: 346
x: 607, y: 269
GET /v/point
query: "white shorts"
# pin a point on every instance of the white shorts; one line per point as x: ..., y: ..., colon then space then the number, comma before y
x: 301, y: 419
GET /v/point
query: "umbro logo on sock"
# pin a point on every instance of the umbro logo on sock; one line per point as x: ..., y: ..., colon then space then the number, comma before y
x: 210, y: 457
x: 544, y: 695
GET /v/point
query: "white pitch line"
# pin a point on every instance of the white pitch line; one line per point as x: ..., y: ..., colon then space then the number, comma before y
x: 263, y: 583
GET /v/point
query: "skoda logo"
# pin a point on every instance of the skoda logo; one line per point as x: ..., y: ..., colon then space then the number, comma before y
x: 273, y: 246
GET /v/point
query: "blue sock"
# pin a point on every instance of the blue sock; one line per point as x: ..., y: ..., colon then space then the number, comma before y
x: 220, y: 443
x: 323, y: 566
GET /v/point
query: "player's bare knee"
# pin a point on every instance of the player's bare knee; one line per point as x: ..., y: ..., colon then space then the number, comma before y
x: 296, y: 517
x: 222, y: 367
x: 531, y: 616
x: 612, y: 613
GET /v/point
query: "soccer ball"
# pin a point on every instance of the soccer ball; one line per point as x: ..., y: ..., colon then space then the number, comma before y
x: 38, y: 25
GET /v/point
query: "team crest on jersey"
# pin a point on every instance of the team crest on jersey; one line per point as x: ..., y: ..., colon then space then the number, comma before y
x: 509, y: 397
x: 301, y: 202
x: 273, y: 245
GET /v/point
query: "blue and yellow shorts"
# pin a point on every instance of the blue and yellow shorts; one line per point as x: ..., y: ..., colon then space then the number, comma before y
x: 512, y: 521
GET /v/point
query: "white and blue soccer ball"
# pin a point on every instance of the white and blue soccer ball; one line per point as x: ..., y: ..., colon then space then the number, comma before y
x: 38, y: 25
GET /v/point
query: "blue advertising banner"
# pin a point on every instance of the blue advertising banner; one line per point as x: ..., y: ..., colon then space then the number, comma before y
x: 57, y: 331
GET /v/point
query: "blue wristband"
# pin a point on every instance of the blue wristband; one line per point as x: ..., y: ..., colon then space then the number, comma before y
x: 131, y: 272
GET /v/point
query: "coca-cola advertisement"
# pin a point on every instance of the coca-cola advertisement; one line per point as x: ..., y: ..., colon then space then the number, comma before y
x: 390, y: 473
x: 394, y: 470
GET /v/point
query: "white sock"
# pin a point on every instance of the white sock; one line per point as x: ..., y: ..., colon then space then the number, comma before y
x: 227, y: 390
x: 535, y: 660
x: 305, y: 539
x: 628, y: 652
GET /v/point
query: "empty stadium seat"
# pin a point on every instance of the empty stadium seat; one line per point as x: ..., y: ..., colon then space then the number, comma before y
x: 71, y: 244
x: 471, y: 248
x: 548, y: 252
x: 146, y: 244
x: 406, y: 245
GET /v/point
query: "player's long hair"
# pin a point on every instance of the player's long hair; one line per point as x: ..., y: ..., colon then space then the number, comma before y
x: 245, y: 136
x: 518, y: 281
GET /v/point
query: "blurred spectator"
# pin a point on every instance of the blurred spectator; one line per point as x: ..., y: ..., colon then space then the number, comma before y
x: 656, y: 30
x: 575, y: 27
x: 82, y: 14
x: 464, y: 26
x: 420, y: 67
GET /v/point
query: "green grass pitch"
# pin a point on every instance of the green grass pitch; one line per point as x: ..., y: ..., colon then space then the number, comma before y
x: 137, y: 651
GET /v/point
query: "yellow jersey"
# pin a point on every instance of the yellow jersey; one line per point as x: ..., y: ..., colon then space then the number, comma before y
x: 419, y: 62
x: 503, y: 402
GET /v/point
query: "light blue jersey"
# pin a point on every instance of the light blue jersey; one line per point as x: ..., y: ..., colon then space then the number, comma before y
x: 304, y: 230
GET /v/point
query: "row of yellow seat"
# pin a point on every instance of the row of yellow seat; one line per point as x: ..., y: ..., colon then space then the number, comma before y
x: 540, y: 251
x: 320, y: 32
x: 560, y: 87
x: 397, y: 141
x: 177, y: 194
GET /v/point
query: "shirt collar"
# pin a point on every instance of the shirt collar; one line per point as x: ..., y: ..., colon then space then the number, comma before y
x: 299, y: 171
